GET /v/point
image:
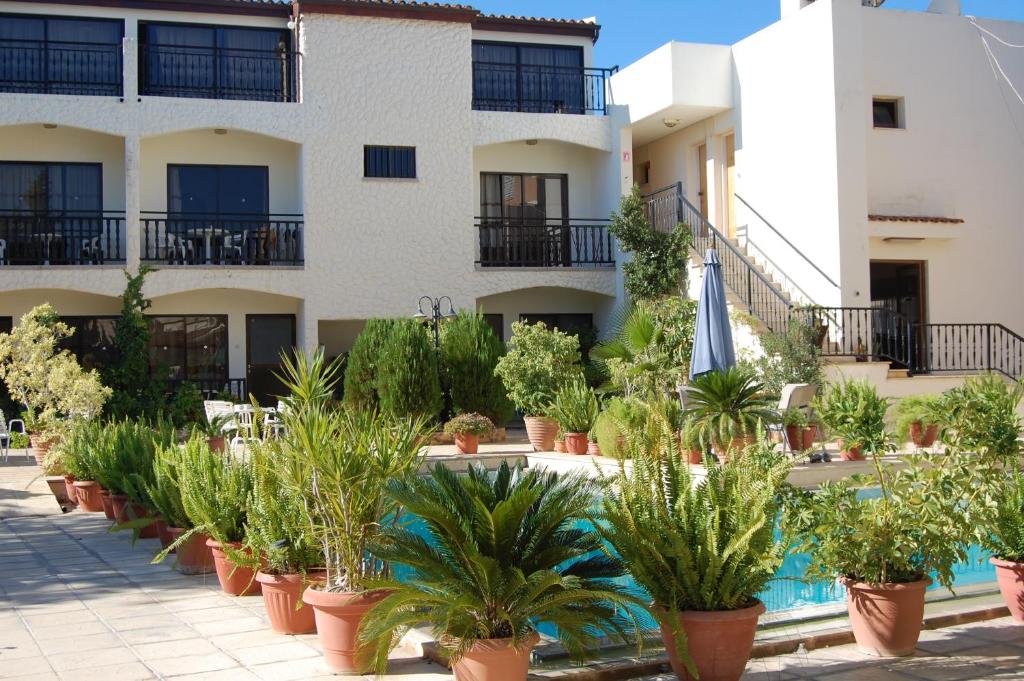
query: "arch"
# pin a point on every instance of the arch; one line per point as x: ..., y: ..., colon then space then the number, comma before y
x: 547, y: 300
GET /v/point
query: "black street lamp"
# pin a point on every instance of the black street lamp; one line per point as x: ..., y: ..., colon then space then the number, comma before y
x: 435, y: 315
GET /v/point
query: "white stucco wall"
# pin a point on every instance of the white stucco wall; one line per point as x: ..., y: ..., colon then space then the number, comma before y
x: 547, y: 301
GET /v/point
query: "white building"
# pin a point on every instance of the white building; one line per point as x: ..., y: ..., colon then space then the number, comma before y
x: 868, y: 159
x: 292, y: 169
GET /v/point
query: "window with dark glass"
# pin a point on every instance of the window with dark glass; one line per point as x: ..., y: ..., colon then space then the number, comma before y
x: 524, y: 220
x: 92, y: 340
x: 497, y: 324
x: 531, y: 78
x: 189, y: 348
x: 60, y: 55
x: 886, y: 113
x: 216, y: 62
x: 218, y: 190
x: 381, y: 161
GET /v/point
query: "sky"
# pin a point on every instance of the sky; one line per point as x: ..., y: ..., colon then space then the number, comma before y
x: 632, y: 28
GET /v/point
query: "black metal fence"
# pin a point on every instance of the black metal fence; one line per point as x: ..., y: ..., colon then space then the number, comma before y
x: 875, y: 333
x: 222, y: 239
x: 540, y: 89
x: 218, y: 73
x: 967, y: 347
x: 60, y: 68
x: 552, y: 243
x: 61, y: 238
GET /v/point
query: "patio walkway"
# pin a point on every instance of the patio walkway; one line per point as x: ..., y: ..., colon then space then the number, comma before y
x: 78, y: 602
x: 23, y: 488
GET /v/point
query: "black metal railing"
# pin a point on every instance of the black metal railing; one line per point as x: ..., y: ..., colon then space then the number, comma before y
x: 969, y: 347
x: 540, y: 89
x: 53, y: 67
x: 544, y: 243
x: 875, y: 333
x: 213, y: 389
x: 61, y: 237
x: 222, y: 239
x: 218, y: 73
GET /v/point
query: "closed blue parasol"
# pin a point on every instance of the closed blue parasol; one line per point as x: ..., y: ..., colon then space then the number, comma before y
x: 712, y: 341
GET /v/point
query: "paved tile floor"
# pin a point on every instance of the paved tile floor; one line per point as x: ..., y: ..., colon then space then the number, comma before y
x: 78, y: 602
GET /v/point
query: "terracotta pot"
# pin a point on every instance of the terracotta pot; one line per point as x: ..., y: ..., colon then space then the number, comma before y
x: 467, y: 444
x: 496, y: 660
x: 850, y: 454
x: 593, y: 449
x: 281, y: 593
x: 718, y: 642
x: 338, y: 615
x: 108, y: 504
x: 886, y: 619
x: 576, y: 443
x: 1010, y: 576
x: 88, y: 493
x: 800, y: 438
x: 560, y: 447
x: 40, y: 445
x: 695, y: 456
x: 119, y: 502
x: 234, y: 580
x: 135, y: 511
x: 194, y: 556
x: 736, y: 446
x: 163, y: 534
x: 58, y: 488
x: 69, y: 488
x: 808, y: 436
x: 923, y: 436
x: 542, y: 432
x: 217, y: 444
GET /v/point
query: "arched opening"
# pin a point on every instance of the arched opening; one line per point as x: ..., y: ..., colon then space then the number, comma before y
x: 570, y: 310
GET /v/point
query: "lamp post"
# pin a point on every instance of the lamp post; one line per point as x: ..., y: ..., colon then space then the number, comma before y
x: 435, y: 315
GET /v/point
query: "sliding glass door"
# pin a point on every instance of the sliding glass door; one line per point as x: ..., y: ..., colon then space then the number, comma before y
x: 524, y: 220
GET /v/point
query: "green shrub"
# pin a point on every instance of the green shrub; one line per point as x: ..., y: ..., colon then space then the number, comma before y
x: 19, y: 441
x: 658, y: 265
x: 469, y: 353
x: 538, y: 363
x: 924, y: 409
x: 408, y: 383
x: 575, y: 407
x: 610, y: 425
x: 187, y: 405
x: 469, y: 424
x: 215, y: 491
x: 853, y: 411
x: 165, y: 489
x: 363, y: 364
x: 981, y: 416
x: 789, y: 357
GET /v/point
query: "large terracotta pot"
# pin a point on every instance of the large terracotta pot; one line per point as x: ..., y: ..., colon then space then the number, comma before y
x: 1010, y: 576
x: 338, y: 615
x: 800, y: 439
x: 108, y: 504
x: 496, y: 660
x: 735, y: 447
x: 139, y: 511
x: 281, y: 593
x: 119, y: 503
x: 854, y: 453
x: 40, y: 445
x: 695, y: 456
x: 808, y: 437
x: 234, y: 579
x: 217, y: 444
x: 69, y: 488
x: 59, y: 488
x: 88, y: 493
x: 923, y: 436
x: 194, y: 556
x: 887, y: 618
x: 593, y: 449
x: 542, y: 432
x: 164, y: 534
x: 576, y: 443
x: 467, y: 444
x: 718, y: 642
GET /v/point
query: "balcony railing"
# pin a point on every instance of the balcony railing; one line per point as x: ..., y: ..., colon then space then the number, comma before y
x: 550, y: 243
x: 218, y: 73
x: 61, y: 238
x: 222, y: 239
x: 540, y: 89
x: 213, y: 389
x: 60, y: 68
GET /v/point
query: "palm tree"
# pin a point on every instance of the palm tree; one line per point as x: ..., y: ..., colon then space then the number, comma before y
x: 637, y: 358
x: 501, y: 554
x: 730, y: 404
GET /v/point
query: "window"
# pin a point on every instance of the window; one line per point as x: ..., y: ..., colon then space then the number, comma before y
x: 60, y: 55
x: 887, y: 113
x: 523, y: 198
x: 497, y: 324
x: 531, y: 78
x: 189, y: 348
x: 216, y: 62
x: 381, y: 161
x: 643, y: 172
x: 218, y: 190
x: 51, y: 187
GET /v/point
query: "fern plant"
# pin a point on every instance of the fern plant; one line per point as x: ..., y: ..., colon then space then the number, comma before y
x: 502, y: 554
x: 575, y: 407
x: 165, y: 489
x: 730, y: 404
x: 1003, y: 535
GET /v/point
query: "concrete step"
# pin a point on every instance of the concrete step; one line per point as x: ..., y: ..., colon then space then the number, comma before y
x: 898, y: 373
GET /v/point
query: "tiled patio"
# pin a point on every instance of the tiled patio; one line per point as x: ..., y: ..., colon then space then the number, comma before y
x: 77, y: 602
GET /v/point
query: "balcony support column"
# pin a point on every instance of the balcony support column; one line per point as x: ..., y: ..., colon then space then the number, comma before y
x: 133, y: 201
x: 130, y: 63
x: 307, y: 333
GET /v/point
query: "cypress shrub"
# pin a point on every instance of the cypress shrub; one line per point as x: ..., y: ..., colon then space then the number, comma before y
x: 469, y: 352
x: 364, y: 363
x: 407, y: 373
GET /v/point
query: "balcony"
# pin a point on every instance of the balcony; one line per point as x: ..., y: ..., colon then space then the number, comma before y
x: 222, y: 239
x: 53, y: 67
x: 218, y: 73
x: 569, y: 243
x: 540, y: 89
x: 61, y: 238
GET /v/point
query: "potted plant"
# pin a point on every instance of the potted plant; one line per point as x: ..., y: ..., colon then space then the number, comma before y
x: 609, y: 427
x: 884, y: 536
x: 60, y: 482
x: 339, y: 471
x: 82, y: 462
x: 576, y: 409
x: 917, y: 418
x: 730, y: 407
x: 701, y: 548
x: 982, y: 416
x: 213, y: 430
x: 691, y: 441
x: 800, y: 431
x: 135, y: 444
x: 852, y: 411
x: 175, y: 469
x: 467, y: 429
x: 507, y: 556
x: 593, y: 448
x: 1003, y: 537
x: 559, y: 446
x: 537, y: 364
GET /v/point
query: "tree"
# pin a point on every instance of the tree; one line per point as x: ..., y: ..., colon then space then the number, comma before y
x: 539, y: 362
x: 469, y: 352
x: 658, y: 266
x: 137, y: 392
x: 363, y: 364
x: 408, y: 383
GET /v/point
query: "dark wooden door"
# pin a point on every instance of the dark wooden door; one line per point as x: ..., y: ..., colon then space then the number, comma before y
x: 267, y: 336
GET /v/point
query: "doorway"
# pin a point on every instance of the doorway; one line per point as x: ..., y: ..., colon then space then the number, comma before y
x: 267, y: 336
x: 702, y: 178
x: 899, y: 285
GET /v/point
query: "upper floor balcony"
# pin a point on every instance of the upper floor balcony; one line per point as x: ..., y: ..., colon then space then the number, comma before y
x: 222, y: 239
x: 41, y: 238
x: 544, y: 243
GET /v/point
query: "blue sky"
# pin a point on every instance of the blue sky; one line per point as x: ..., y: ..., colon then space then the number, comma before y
x: 632, y: 28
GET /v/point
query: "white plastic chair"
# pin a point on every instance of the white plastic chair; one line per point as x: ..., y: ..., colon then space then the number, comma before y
x: 243, y: 420
x: 5, y: 436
